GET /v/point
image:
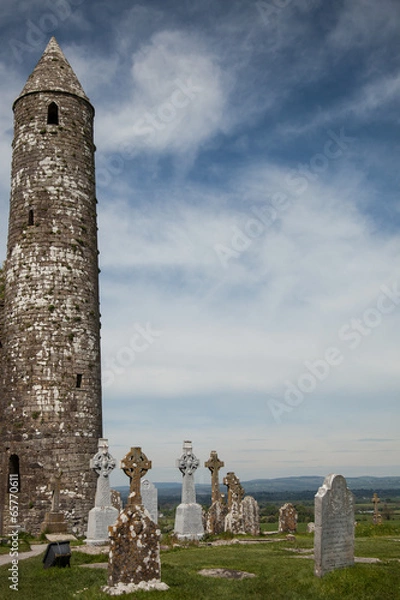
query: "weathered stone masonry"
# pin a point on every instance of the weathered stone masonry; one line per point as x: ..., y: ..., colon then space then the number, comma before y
x: 50, y: 386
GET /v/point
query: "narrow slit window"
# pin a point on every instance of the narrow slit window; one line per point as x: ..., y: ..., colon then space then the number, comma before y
x: 14, y: 483
x: 31, y: 217
x: 79, y: 380
x: 52, y: 114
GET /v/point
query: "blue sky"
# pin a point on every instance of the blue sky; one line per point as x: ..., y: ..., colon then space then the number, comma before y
x: 247, y: 178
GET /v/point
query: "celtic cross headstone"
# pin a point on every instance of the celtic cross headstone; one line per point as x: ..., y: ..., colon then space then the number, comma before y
x: 104, y: 513
x: 135, y: 465
x: 214, y: 464
x: 188, y: 516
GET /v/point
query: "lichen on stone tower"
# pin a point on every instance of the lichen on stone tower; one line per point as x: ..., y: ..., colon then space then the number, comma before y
x: 53, y: 72
x: 50, y: 385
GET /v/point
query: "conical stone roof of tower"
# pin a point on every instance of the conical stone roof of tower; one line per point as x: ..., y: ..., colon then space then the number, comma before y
x: 53, y: 73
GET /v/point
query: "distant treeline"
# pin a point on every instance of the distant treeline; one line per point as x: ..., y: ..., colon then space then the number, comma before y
x: 170, y: 496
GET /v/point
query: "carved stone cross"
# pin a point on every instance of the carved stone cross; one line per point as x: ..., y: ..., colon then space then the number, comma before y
x: 187, y: 464
x: 135, y: 465
x: 102, y: 464
x: 55, y: 487
x: 214, y: 464
x: 377, y: 517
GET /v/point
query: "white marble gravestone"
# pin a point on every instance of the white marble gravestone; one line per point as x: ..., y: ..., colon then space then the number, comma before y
x: 189, y: 514
x: 334, y: 526
x: 104, y: 513
x: 149, y: 495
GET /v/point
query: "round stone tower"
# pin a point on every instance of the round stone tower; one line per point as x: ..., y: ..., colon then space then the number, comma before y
x: 50, y: 396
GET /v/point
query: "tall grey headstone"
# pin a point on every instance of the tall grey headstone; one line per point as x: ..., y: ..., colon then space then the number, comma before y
x: 334, y: 526
x: 104, y: 513
x: 189, y: 514
x: 150, y: 498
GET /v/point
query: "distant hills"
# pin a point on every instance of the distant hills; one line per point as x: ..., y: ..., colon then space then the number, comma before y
x: 288, y: 488
x: 307, y: 483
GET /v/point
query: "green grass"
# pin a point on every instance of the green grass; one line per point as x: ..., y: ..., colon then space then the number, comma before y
x: 281, y: 575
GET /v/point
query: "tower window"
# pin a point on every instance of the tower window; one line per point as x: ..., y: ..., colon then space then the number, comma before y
x: 52, y: 114
x: 31, y: 217
x: 14, y: 484
x: 79, y: 380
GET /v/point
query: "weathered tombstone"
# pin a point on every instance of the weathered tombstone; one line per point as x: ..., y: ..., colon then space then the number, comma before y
x: 310, y: 527
x: 116, y: 500
x: 250, y: 515
x: 287, y: 519
x: 188, y: 516
x: 234, y: 518
x: 134, y: 557
x: 215, y: 517
x: 334, y: 526
x: 103, y: 514
x: 377, y: 518
x: 150, y: 498
x: 54, y: 521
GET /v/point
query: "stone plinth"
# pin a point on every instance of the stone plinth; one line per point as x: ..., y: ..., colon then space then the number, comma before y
x: 189, y: 522
x: 54, y: 522
x: 287, y: 518
x: 334, y: 526
x: 100, y: 519
x: 134, y: 548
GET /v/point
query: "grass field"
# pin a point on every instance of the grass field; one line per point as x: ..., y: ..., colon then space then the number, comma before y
x: 281, y: 574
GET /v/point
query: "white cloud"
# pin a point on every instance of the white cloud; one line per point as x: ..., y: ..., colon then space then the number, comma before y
x: 177, y: 102
x: 247, y: 328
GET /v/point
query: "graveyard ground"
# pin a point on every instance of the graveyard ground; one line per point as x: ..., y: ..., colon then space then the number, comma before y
x: 282, y: 572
